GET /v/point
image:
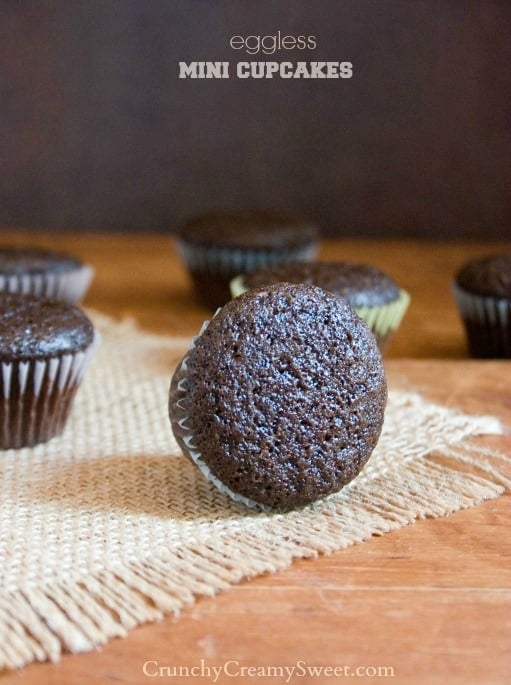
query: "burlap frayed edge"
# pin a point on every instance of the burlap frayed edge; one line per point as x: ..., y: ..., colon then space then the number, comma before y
x: 83, y: 613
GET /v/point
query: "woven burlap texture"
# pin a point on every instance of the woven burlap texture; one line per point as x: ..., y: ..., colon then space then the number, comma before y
x: 109, y: 526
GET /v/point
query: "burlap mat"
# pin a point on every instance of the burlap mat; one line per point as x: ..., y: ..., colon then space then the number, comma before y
x: 109, y: 526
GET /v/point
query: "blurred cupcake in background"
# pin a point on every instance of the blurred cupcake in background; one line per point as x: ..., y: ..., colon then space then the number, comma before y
x: 482, y: 290
x: 45, y: 348
x: 44, y: 273
x: 373, y: 294
x: 219, y: 245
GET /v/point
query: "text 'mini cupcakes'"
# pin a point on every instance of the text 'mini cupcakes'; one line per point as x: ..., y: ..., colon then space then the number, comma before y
x: 280, y: 400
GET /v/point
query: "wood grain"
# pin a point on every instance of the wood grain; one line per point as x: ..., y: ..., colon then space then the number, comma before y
x: 432, y: 601
x: 142, y: 276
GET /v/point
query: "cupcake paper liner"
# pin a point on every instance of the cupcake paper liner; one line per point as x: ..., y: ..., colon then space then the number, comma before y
x: 384, y: 319
x: 487, y: 323
x: 36, y: 396
x: 185, y: 436
x: 211, y: 268
x: 237, y: 286
x: 69, y: 286
x: 229, y: 261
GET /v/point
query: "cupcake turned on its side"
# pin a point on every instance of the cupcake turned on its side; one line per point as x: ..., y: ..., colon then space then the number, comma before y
x: 482, y: 289
x: 217, y: 246
x: 280, y: 400
x: 373, y: 294
x: 44, y: 273
x: 45, y: 347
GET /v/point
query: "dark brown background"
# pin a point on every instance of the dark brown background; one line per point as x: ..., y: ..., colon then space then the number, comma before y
x: 97, y: 131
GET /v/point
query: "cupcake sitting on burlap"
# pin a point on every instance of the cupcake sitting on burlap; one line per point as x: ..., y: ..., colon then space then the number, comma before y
x: 280, y: 400
x: 45, y: 348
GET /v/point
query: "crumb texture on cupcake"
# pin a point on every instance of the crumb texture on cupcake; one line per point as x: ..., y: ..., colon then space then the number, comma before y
x: 362, y: 285
x: 375, y: 296
x: 285, y: 395
x: 33, y: 328
x: 45, y: 348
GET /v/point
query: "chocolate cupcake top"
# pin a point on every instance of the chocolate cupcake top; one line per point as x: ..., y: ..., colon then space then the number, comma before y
x: 33, y: 328
x: 16, y: 261
x: 488, y: 276
x: 362, y: 285
x: 285, y: 395
x: 256, y: 229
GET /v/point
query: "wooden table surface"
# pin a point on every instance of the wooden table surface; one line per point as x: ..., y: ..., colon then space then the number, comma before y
x: 431, y: 603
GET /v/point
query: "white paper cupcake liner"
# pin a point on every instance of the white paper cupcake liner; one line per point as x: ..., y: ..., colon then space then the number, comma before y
x: 68, y: 286
x: 228, y: 261
x: 492, y: 316
x: 185, y: 436
x: 29, y: 393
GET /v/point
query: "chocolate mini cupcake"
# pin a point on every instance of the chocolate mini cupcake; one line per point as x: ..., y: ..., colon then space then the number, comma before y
x: 45, y: 347
x: 280, y: 400
x: 44, y: 273
x: 219, y: 245
x: 482, y: 289
x: 375, y: 296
